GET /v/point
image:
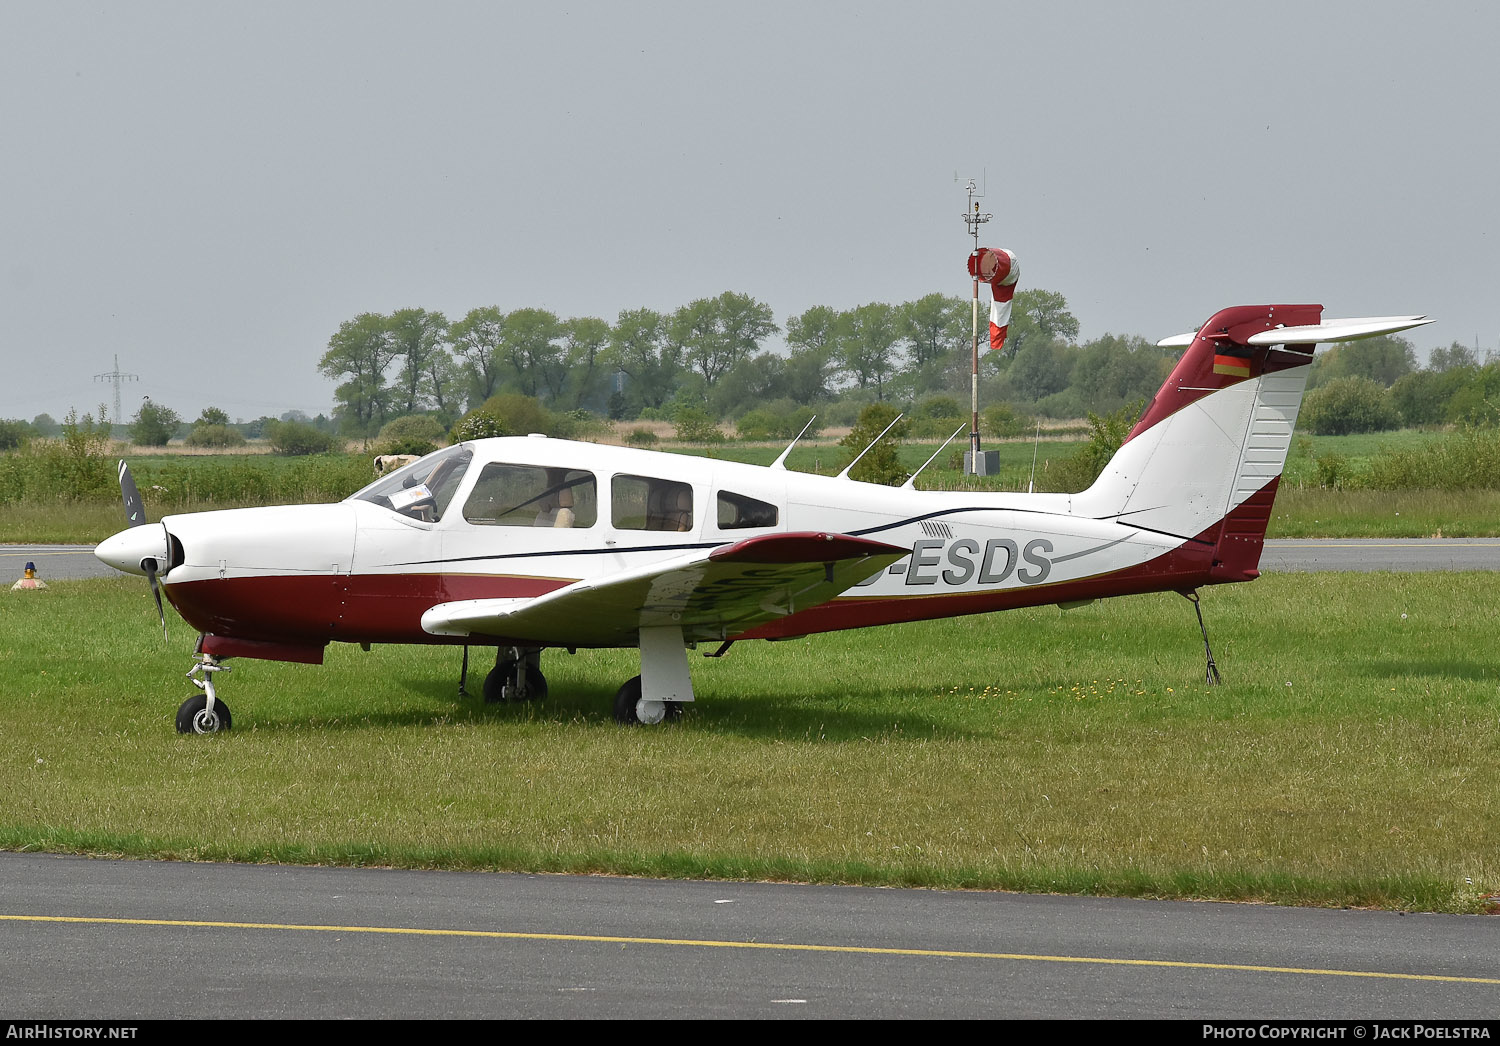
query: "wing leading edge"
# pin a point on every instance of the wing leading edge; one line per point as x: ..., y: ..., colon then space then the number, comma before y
x: 709, y: 593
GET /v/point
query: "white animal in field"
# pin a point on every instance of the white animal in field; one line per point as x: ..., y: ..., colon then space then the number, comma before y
x: 390, y: 462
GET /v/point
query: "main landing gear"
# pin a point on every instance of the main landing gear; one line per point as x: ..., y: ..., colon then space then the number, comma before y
x: 663, y: 687
x: 517, y: 676
x: 204, y: 713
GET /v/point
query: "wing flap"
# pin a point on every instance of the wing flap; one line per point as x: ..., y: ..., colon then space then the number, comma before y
x: 709, y: 593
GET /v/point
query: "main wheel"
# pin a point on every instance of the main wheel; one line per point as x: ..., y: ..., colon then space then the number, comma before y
x: 194, y: 716
x: 496, y: 684
x: 631, y: 710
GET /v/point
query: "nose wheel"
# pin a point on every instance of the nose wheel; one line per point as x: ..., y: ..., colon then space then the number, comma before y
x: 204, y: 713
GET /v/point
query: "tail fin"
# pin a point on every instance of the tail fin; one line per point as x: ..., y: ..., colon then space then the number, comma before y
x: 1204, y: 460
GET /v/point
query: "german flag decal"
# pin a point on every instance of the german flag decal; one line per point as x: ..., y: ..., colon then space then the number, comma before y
x: 1233, y: 366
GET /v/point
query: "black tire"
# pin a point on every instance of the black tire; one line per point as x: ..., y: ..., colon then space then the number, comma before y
x: 625, y: 702
x: 193, y: 716
x: 494, y: 683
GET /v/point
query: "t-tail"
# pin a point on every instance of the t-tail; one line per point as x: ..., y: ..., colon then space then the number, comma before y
x: 1204, y: 460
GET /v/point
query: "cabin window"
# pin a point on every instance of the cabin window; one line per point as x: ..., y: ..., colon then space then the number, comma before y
x: 529, y: 496
x: 642, y: 503
x: 741, y: 512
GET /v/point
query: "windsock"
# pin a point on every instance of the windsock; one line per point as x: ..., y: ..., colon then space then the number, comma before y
x: 998, y: 268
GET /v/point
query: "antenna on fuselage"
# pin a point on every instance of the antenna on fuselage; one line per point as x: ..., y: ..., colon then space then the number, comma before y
x: 877, y: 439
x: 1035, y: 443
x: 780, y: 463
x: 908, y: 485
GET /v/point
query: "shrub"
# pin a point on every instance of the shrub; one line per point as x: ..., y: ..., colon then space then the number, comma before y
x: 641, y: 437
x: 695, y: 426
x: 525, y: 414
x: 1466, y: 460
x: 1002, y: 421
x: 477, y: 424
x: 882, y: 463
x: 214, y: 436
x: 295, y: 438
x: 413, y: 434
x: 1106, y: 436
x: 939, y: 407
x: 782, y: 419
x: 1348, y: 405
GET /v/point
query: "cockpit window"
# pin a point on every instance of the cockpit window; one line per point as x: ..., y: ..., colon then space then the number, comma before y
x: 742, y: 512
x: 529, y: 496
x: 421, y: 490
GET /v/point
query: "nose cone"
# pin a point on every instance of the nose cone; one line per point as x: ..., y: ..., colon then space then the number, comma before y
x: 127, y: 549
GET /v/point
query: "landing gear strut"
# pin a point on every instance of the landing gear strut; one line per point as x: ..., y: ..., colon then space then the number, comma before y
x: 204, y: 713
x: 1211, y: 676
x: 659, y: 692
x: 517, y: 676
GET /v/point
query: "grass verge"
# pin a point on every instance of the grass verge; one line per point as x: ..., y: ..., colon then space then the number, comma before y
x: 1348, y: 760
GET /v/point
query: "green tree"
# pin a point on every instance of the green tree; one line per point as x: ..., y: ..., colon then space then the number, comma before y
x: 45, y: 425
x: 716, y: 333
x: 639, y: 348
x: 153, y: 425
x: 532, y: 351
x: 812, y: 338
x: 750, y: 382
x: 416, y: 336
x: 1038, y: 315
x: 360, y: 351
x: 868, y: 336
x: 1113, y: 370
x: 211, y: 416
x: 14, y: 433
x: 1455, y: 356
x: 1383, y: 360
x: 585, y: 358
x: 478, y: 339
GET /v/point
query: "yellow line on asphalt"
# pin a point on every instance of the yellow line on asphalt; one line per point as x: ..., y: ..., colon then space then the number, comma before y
x: 840, y: 949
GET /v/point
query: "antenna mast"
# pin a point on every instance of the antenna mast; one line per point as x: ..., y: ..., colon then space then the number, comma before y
x: 973, y: 219
x: 119, y: 379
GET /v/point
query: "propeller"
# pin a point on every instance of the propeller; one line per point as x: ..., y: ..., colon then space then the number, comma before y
x: 135, y: 515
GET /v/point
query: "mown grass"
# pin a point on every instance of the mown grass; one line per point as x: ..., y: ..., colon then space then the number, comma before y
x: 1349, y: 759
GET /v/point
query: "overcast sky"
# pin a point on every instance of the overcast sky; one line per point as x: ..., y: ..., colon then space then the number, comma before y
x: 209, y: 189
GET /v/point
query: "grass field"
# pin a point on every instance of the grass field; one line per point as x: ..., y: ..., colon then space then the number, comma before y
x: 1349, y: 759
x: 1305, y: 507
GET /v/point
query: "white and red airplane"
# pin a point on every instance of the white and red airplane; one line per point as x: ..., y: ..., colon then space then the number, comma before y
x: 526, y: 543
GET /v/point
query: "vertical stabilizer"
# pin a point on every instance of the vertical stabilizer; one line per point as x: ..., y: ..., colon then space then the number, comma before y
x: 1212, y: 443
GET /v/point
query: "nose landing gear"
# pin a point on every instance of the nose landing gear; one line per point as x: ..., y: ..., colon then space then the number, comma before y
x: 204, y: 713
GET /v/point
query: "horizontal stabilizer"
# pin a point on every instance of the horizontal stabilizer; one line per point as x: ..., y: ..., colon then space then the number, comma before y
x: 1313, y: 334
x: 1338, y: 330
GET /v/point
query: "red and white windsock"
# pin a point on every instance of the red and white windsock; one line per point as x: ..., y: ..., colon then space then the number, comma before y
x: 997, y: 267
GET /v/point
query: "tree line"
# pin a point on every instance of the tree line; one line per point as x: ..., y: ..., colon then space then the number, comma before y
x: 710, y: 355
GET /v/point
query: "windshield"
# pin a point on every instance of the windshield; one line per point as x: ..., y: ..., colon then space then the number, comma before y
x: 421, y: 490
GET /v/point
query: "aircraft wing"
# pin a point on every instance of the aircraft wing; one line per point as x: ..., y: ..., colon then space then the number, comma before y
x: 709, y: 593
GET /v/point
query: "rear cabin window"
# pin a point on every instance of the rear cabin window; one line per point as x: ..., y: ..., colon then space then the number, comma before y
x: 643, y: 503
x: 741, y: 512
x: 528, y: 496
